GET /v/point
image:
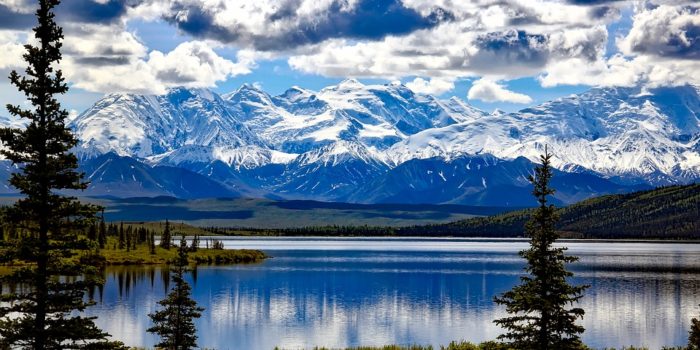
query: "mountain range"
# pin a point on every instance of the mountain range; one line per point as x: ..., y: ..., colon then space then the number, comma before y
x: 383, y: 144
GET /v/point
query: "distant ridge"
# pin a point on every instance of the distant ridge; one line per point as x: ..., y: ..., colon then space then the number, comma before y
x: 664, y: 213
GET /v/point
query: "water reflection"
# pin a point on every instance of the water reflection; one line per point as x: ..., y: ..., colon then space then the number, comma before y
x: 302, y: 298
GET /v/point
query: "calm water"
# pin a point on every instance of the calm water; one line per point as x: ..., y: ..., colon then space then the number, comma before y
x: 346, y: 292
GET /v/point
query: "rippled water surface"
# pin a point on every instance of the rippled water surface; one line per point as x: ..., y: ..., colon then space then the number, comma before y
x: 346, y: 292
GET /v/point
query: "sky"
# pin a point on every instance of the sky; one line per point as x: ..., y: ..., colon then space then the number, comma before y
x: 495, y: 54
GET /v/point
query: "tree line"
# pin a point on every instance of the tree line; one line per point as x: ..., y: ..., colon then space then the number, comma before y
x: 669, y: 212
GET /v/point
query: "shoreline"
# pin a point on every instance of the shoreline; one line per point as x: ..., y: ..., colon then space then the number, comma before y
x: 453, y: 238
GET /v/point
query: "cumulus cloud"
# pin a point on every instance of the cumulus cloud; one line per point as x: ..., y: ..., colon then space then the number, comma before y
x: 191, y: 64
x: 661, y: 49
x: 450, y: 51
x: 489, y: 91
x: 101, y: 55
x: 434, y: 86
x: 665, y: 31
x: 12, y: 50
x: 195, y: 64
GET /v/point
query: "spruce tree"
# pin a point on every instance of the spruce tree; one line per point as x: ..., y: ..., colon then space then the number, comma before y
x: 694, y: 336
x: 102, y: 233
x: 175, y: 322
x: 542, y: 314
x: 127, y: 236
x: 152, y: 242
x: 195, y: 243
x: 46, y: 311
x: 121, y: 239
x: 166, y: 238
x: 92, y: 233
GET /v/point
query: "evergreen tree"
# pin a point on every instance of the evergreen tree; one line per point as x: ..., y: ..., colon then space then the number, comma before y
x: 166, y: 238
x: 128, y: 238
x: 142, y: 235
x: 175, y: 322
x: 152, y: 242
x: 542, y: 315
x: 46, y: 311
x: 195, y: 243
x: 121, y: 236
x: 92, y: 233
x: 102, y: 233
x: 694, y: 337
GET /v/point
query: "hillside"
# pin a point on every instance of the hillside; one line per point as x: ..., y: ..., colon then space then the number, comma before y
x: 667, y: 212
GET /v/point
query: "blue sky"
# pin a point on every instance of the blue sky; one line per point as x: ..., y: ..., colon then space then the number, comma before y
x: 494, y: 54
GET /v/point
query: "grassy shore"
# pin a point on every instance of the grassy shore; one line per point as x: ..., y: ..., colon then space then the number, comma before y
x: 142, y: 255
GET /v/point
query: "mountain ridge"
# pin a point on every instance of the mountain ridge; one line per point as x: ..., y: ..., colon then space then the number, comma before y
x: 356, y: 142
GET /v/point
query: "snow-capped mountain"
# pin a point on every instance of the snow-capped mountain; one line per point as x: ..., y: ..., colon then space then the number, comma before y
x: 145, y: 125
x: 612, y: 132
x: 384, y: 143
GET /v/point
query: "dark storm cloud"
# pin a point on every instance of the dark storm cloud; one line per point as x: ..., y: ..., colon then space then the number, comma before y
x: 89, y: 11
x: 71, y: 11
x: 13, y: 20
x: 594, y: 2
x: 686, y: 46
x: 516, y: 45
x: 599, y: 12
x: 101, y: 61
x: 370, y: 19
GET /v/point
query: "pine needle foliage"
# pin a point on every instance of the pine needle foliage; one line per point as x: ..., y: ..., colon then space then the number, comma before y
x: 175, y: 322
x: 42, y: 301
x: 542, y: 315
x: 694, y: 336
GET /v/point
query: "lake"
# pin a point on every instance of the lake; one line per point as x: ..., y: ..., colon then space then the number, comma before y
x: 339, y: 292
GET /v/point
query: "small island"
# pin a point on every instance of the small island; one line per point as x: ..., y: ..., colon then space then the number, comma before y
x: 150, y: 244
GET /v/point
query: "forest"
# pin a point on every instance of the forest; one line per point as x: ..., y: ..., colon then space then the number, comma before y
x: 664, y: 213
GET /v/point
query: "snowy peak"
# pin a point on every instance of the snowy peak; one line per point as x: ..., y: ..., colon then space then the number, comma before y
x: 339, y: 152
x: 178, y: 95
x: 296, y: 94
x: 616, y: 132
x: 147, y: 125
x: 248, y: 93
x: 347, y: 85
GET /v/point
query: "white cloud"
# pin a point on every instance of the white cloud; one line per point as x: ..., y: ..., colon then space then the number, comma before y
x: 12, y: 50
x: 194, y: 64
x: 434, y: 86
x: 22, y: 6
x: 559, y: 42
x: 451, y: 51
x: 489, y: 91
x: 665, y: 31
x: 107, y: 58
x: 661, y: 49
